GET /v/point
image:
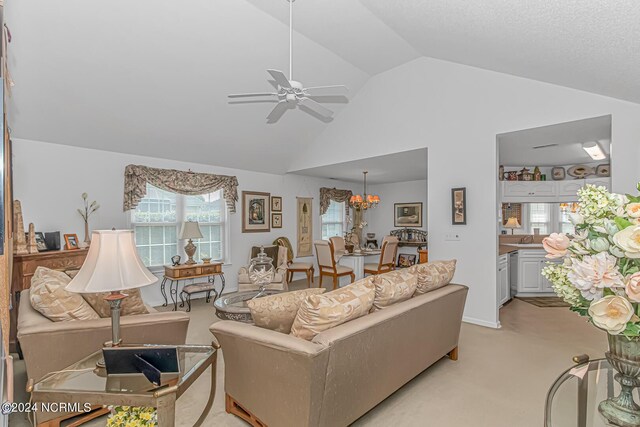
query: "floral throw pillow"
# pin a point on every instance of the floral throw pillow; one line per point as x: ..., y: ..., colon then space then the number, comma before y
x: 277, y: 312
x: 394, y: 287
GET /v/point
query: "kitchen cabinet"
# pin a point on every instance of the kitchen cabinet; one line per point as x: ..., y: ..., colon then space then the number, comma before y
x: 504, y: 285
x: 547, y: 191
x: 530, y: 279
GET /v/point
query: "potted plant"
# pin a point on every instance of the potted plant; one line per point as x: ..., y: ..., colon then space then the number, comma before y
x: 85, y: 213
x: 599, y: 277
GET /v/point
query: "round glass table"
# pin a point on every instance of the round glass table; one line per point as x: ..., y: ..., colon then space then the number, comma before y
x: 234, y: 306
x: 574, y: 397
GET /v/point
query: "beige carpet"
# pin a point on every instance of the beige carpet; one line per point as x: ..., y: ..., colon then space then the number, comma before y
x: 501, y: 378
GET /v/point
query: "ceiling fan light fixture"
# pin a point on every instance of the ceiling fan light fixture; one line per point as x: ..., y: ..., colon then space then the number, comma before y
x: 594, y: 150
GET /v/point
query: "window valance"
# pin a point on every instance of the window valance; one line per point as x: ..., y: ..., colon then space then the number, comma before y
x: 136, y: 178
x: 329, y: 194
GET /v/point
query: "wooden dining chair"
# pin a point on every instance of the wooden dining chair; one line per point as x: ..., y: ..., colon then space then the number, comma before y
x: 295, y: 267
x: 339, y: 247
x: 387, y: 260
x: 327, y: 263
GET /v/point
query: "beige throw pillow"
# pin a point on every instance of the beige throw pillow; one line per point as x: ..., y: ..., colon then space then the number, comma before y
x: 321, y: 312
x: 434, y: 275
x: 277, y: 312
x: 132, y: 304
x: 394, y: 287
x: 49, y: 296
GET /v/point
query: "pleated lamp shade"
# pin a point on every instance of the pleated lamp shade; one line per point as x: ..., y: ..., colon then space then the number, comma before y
x: 112, y: 264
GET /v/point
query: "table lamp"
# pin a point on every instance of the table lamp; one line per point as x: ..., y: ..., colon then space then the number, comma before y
x: 512, y: 223
x: 190, y: 230
x: 112, y: 265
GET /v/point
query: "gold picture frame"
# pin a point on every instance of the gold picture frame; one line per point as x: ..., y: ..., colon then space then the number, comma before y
x: 256, y: 212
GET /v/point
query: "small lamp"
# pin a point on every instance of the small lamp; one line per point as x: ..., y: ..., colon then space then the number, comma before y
x: 512, y: 223
x: 190, y: 230
x: 112, y: 265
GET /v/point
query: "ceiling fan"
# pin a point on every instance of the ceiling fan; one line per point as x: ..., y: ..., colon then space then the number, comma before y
x: 291, y: 94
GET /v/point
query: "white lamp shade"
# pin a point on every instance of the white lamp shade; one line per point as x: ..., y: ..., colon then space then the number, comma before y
x: 112, y: 264
x: 190, y: 230
x: 512, y: 223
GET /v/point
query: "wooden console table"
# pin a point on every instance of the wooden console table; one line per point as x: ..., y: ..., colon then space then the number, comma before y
x: 24, y: 266
x: 175, y: 273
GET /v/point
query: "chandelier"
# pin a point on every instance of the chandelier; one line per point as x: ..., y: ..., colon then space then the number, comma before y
x: 365, y: 201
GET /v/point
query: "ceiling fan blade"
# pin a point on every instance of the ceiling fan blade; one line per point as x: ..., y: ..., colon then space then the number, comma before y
x: 316, y: 107
x: 244, y: 95
x: 326, y: 90
x: 280, y: 78
x: 277, y: 112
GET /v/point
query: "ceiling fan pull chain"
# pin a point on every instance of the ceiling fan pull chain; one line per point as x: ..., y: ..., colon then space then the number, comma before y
x: 290, y: 39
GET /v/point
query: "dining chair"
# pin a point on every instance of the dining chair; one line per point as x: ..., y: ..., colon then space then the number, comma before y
x: 387, y: 257
x: 327, y: 263
x: 295, y: 267
x: 339, y: 247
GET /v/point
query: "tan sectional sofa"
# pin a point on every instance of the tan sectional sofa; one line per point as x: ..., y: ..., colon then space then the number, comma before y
x: 275, y: 379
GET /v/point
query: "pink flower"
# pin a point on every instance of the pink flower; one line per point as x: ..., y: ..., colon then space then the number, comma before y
x: 594, y: 273
x: 556, y: 245
x: 633, y: 287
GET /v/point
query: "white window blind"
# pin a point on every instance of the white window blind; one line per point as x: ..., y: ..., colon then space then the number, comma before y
x: 333, y: 220
x: 159, y: 216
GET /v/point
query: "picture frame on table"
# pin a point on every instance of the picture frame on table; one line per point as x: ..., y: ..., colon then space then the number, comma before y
x: 406, y: 260
x: 407, y: 215
x: 71, y: 242
x: 276, y: 204
x: 459, y: 206
x: 276, y: 219
x: 256, y: 212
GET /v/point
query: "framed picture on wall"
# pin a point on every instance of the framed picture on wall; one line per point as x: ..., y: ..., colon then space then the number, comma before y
x: 255, y: 212
x: 276, y: 219
x: 407, y: 215
x: 459, y: 206
x: 276, y: 204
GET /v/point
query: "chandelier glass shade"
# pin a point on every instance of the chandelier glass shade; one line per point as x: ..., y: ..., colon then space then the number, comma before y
x: 364, y: 201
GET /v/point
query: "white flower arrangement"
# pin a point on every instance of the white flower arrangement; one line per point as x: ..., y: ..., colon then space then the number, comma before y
x: 600, y: 275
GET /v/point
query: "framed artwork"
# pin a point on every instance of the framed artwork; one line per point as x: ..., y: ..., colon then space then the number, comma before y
x: 304, y: 226
x: 407, y: 215
x: 459, y: 206
x: 71, y: 241
x: 276, y: 204
x: 406, y: 260
x: 276, y: 219
x: 255, y: 212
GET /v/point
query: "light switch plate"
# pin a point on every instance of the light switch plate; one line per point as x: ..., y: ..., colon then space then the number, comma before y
x: 452, y: 237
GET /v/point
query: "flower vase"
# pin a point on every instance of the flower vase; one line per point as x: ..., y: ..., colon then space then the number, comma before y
x: 87, y: 236
x: 624, y: 357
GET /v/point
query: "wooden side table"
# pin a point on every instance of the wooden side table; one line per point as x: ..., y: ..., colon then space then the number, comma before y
x: 424, y: 255
x: 175, y: 273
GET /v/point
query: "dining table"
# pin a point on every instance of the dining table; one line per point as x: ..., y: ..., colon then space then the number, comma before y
x: 358, y: 259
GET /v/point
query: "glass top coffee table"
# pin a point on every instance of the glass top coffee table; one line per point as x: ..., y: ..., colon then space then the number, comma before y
x: 84, y: 383
x: 574, y: 397
x: 234, y: 306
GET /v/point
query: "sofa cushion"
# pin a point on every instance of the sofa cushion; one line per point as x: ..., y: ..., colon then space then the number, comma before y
x: 277, y: 312
x: 321, y: 312
x: 394, y: 286
x: 433, y: 275
x: 49, y: 297
x: 132, y: 304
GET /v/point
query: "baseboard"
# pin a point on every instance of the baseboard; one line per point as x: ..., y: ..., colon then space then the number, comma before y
x: 479, y: 322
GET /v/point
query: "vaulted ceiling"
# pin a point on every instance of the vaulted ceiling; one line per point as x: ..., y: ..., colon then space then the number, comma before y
x: 151, y: 77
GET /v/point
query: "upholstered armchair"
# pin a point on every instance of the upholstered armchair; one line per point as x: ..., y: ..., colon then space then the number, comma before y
x: 279, y: 282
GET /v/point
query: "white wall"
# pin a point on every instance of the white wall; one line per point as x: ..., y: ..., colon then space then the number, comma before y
x: 380, y: 220
x: 457, y: 111
x: 49, y: 179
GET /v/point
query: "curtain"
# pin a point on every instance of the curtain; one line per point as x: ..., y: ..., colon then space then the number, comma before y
x: 136, y: 178
x: 329, y: 194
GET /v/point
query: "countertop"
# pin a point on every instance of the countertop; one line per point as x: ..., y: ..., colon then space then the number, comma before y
x: 505, y: 249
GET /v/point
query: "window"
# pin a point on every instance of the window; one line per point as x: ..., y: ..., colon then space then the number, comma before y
x: 159, y: 216
x: 540, y: 217
x: 333, y: 220
x: 565, y: 209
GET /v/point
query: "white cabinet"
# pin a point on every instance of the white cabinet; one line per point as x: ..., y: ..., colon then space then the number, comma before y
x: 504, y: 291
x: 547, y: 191
x: 530, y: 279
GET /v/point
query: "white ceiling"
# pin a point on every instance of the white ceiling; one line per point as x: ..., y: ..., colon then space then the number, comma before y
x: 398, y: 167
x: 151, y: 77
x: 592, y: 45
x: 516, y: 148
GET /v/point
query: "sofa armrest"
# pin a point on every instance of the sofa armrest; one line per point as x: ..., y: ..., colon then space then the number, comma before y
x: 260, y: 363
x: 50, y: 346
